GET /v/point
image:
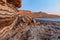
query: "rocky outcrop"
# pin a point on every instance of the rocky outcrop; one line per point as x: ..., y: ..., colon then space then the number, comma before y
x: 16, y: 27
x: 16, y: 3
x: 52, y: 29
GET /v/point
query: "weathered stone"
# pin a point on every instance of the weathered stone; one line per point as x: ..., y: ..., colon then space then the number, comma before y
x: 16, y: 27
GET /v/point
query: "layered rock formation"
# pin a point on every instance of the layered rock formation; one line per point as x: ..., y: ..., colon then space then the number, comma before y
x: 16, y: 27
x: 11, y: 23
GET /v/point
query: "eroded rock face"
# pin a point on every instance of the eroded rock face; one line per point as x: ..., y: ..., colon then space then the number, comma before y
x: 9, y: 5
x: 8, y: 17
x: 16, y: 3
x: 8, y: 13
x: 16, y: 27
x: 12, y: 24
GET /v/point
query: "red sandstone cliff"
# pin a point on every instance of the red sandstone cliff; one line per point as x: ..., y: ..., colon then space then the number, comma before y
x: 37, y: 14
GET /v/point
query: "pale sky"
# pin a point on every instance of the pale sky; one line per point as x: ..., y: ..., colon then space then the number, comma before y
x: 50, y: 6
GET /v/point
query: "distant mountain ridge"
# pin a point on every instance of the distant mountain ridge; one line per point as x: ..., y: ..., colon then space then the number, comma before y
x: 37, y: 14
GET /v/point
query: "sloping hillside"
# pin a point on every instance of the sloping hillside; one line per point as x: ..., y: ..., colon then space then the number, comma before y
x: 37, y: 14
